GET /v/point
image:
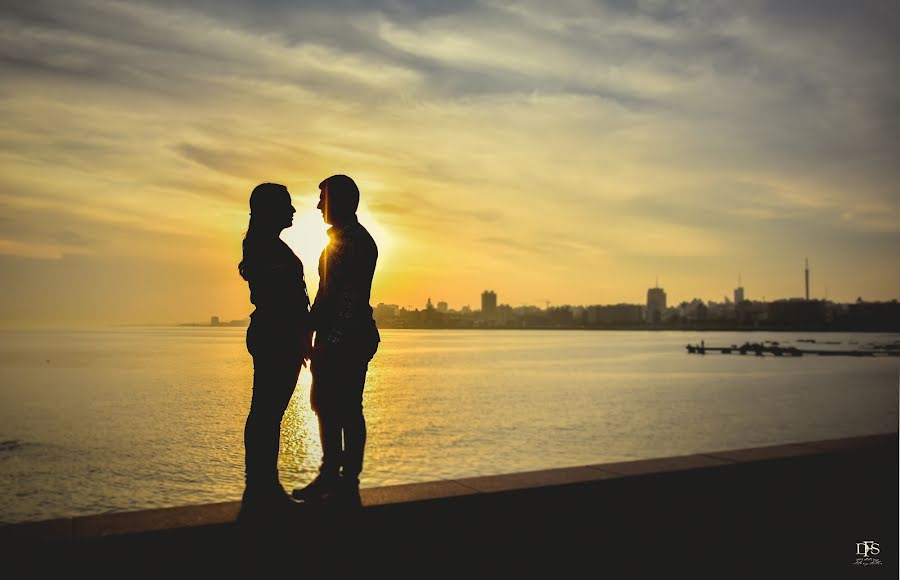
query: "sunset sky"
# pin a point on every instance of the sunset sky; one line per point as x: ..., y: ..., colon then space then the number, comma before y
x: 561, y: 151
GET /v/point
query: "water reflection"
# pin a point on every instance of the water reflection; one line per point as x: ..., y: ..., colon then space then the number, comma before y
x: 301, y: 451
x: 139, y: 418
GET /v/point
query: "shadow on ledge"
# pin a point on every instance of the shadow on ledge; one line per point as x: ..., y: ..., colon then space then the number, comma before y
x: 799, y: 508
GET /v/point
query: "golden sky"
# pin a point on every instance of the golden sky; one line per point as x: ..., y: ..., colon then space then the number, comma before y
x: 568, y: 151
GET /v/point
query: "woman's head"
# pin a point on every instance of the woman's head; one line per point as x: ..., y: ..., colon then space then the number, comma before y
x: 270, y: 212
x: 270, y: 208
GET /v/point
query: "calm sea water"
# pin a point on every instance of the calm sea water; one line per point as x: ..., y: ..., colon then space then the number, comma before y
x: 103, y: 420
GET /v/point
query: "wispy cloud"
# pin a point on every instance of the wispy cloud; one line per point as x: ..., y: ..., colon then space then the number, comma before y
x: 40, y: 252
x: 590, y: 138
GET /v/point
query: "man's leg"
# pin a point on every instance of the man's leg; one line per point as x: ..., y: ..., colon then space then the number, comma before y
x: 330, y: 435
x: 323, y: 403
x: 354, y: 422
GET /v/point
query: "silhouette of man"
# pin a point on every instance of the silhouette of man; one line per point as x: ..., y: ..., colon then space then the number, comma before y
x: 346, y: 340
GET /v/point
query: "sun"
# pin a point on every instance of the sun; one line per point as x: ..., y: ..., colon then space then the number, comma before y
x: 307, y: 238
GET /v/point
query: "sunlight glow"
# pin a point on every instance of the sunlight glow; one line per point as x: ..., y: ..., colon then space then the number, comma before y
x: 308, y: 237
x: 301, y: 448
x: 379, y: 232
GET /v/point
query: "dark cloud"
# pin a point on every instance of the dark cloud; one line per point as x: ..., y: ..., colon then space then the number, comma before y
x: 797, y: 85
x: 681, y: 12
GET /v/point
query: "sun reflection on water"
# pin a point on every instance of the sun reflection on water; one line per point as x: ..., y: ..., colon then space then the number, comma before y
x: 301, y: 448
x: 301, y: 451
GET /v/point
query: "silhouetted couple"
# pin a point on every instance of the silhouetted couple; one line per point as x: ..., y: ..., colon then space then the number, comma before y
x: 280, y: 340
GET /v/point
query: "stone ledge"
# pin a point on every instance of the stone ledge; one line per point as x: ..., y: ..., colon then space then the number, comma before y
x: 155, y: 519
x: 773, y: 452
x: 413, y: 492
x: 533, y: 479
x: 663, y: 465
x: 120, y: 524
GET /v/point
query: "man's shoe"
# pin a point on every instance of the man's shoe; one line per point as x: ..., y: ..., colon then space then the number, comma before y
x: 349, y: 491
x: 322, y: 487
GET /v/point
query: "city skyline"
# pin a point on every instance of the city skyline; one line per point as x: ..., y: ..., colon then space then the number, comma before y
x: 739, y: 293
x: 567, y: 152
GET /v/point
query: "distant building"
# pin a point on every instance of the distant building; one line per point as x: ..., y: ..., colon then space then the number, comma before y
x: 720, y: 310
x: 806, y: 278
x: 559, y: 316
x: 614, y: 314
x: 656, y: 304
x: 504, y: 314
x: 738, y: 294
x: 387, y: 314
x: 443, y: 307
x: 429, y: 305
x: 488, y: 302
x: 861, y: 315
x: 798, y: 313
x: 387, y: 309
x: 693, y: 311
x: 214, y: 321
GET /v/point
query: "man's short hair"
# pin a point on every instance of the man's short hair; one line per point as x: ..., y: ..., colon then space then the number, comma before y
x: 343, y: 195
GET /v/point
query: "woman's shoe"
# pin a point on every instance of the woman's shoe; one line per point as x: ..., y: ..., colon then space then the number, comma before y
x: 259, y: 504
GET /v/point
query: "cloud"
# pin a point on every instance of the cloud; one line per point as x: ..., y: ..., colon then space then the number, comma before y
x: 37, y: 251
x: 420, y: 208
x: 621, y: 134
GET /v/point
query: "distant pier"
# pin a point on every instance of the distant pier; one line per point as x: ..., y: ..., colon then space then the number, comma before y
x: 776, y: 349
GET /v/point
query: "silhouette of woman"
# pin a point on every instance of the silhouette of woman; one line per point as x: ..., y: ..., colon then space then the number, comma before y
x: 278, y: 339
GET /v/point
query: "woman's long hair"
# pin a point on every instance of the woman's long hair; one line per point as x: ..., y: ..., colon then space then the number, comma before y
x: 263, y: 199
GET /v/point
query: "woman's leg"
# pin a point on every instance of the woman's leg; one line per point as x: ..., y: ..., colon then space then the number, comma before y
x: 274, y: 380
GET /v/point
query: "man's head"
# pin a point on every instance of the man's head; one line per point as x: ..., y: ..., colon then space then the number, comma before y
x: 338, y: 199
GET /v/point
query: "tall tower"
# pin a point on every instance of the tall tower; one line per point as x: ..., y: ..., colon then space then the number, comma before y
x: 488, y: 302
x: 739, y: 292
x: 656, y: 304
x: 807, y: 278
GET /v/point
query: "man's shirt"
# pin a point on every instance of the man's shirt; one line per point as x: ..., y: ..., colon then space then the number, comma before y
x: 341, y: 314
